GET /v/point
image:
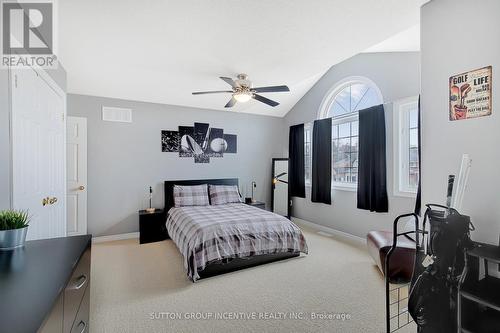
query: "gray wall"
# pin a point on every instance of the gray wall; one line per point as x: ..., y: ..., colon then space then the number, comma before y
x: 397, y: 76
x: 125, y: 159
x: 4, y: 141
x: 444, y: 142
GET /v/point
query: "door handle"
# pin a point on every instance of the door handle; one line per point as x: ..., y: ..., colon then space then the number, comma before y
x: 81, y: 187
x: 80, y: 282
x: 83, y: 325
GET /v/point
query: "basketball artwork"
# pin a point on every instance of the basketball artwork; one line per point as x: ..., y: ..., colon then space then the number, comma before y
x: 470, y: 94
x: 199, y: 142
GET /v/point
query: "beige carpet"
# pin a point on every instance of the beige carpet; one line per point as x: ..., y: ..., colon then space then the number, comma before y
x: 143, y: 288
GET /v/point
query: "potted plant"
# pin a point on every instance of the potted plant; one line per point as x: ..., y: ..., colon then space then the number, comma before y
x: 13, y: 228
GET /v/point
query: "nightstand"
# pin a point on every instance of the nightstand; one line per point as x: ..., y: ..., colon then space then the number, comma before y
x: 257, y: 204
x: 152, y: 226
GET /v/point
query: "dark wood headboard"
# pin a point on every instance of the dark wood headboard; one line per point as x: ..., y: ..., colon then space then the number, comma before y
x: 169, y: 187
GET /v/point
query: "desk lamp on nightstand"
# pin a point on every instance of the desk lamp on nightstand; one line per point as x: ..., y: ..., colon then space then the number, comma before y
x: 150, y: 209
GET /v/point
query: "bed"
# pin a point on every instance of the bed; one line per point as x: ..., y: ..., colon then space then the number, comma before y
x: 223, y: 238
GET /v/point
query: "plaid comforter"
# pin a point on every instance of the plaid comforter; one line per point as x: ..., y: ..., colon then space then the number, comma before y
x: 209, y: 233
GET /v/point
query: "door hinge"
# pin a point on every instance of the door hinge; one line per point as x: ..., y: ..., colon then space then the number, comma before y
x: 15, y: 80
x: 63, y: 117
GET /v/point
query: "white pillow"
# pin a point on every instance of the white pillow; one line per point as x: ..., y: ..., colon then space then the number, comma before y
x: 224, y: 194
x: 194, y: 195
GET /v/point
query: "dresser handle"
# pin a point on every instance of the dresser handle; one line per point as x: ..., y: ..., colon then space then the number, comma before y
x: 81, y: 282
x: 84, y: 326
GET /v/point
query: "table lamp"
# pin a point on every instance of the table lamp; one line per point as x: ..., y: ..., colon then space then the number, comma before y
x: 150, y: 209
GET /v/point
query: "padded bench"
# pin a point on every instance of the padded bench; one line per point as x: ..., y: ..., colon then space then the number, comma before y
x: 402, y: 259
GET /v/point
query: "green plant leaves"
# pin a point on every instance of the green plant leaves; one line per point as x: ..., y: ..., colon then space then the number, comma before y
x: 13, y: 219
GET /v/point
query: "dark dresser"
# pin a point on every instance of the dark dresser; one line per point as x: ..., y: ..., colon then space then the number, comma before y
x: 257, y: 204
x: 45, y: 286
x: 478, y: 292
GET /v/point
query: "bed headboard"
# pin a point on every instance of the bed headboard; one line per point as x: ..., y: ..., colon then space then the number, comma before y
x: 169, y: 187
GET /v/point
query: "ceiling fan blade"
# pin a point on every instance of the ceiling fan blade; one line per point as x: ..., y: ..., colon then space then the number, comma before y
x: 265, y: 100
x: 229, y: 81
x: 231, y: 103
x: 271, y: 89
x: 211, y: 92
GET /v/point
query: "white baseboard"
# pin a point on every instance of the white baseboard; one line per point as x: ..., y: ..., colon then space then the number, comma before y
x: 110, y: 238
x: 329, y: 230
x: 322, y: 228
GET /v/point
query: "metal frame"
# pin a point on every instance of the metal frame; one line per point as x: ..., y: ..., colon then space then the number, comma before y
x: 459, y: 294
x: 386, y: 266
x: 272, y: 189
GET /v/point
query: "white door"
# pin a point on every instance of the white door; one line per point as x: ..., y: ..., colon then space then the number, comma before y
x: 38, y: 109
x: 76, y: 166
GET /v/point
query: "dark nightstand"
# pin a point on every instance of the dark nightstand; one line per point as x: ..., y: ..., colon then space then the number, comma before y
x: 152, y: 226
x: 257, y: 204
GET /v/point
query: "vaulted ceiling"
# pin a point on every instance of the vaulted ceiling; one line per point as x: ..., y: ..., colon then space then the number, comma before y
x: 161, y: 50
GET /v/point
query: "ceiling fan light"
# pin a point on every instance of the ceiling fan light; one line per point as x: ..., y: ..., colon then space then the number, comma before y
x: 242, y: 97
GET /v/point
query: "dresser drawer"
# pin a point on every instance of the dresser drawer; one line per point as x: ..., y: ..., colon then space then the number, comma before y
x: 75, y: 290
x: 81, y: 324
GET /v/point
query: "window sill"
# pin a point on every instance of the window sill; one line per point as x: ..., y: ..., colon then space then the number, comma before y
x: 405, y: 194
x: 340, y: 188
x: 345, y: 187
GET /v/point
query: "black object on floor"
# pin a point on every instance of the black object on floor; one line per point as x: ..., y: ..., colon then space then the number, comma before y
x: 257, y: 204
x: 434, y: 286
x: 152, y: 226
x: 479, y: 298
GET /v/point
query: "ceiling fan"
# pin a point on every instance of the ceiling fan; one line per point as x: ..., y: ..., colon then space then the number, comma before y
x: 243, y: 91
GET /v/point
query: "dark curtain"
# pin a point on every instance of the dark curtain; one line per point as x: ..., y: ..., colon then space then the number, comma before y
x: 321, y: 182
x: 296, y: 177
x: 372, y: 173
x: 418, y: 202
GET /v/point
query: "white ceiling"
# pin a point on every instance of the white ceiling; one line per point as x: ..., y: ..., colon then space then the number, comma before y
x: 405, y: 41
x: 162, y: 50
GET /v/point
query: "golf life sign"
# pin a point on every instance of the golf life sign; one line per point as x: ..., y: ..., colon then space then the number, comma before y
x: 470, y: 94
x: 28, y: 34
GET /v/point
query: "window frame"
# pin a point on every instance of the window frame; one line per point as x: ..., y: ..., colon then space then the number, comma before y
x: 348, y: 118
x: 323, y: 112
x: 329, y: 98
x: 401, y: 147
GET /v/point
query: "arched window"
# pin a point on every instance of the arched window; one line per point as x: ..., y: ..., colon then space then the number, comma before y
x: 342, y: 104
x: 349, y: 96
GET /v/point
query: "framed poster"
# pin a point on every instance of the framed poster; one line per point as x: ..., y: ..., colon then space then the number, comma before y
x: 170, y: 141
x: 199, y: 141
x: 470, y: 94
